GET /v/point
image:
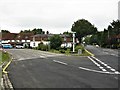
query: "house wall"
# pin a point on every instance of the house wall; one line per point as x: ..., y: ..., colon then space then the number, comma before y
x: 27, y: 40
x: 68, y: 44
x: 45, y: 42
x: 34, y: 44
x: 5, y: 41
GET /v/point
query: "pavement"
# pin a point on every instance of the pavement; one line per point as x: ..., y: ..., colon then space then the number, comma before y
x: 39, y: 69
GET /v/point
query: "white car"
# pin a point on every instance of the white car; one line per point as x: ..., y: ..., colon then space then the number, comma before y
x: 19, y: 46
x: 97, y: 46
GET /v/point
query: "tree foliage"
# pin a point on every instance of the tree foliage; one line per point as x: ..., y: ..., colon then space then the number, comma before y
x: 114, y: 27
x: 47, y: 32
x: 82, y: 28
x: 35, y: 31
x: 38, y: 31
x: 5, y: 31
x: 107, y: 38
x: 55, y: 42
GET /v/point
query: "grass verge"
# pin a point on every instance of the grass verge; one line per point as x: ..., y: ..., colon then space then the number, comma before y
x: 67, y: 52
x: 4, y: 57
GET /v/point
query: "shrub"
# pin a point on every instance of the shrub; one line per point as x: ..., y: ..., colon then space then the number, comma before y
x: 79, y: 47
x: 118, y: 46
x: 67, y: 51
x: 42, y: 47
x: 62, y: 51
x: 55, y: 42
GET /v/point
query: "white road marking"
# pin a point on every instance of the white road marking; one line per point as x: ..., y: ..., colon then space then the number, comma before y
x: 113, y: 54
x: 22, y: 59
x: 116, y: 78
x: 97, y: 64
x: 112, y: 69
x: 106, y: 52
x: 117, y: 72
x: 87, y: 69
x: 107, y: 66
x: 104, y: 70
x: 43, y: 57
x: 101, y: 67
x: 60, y: 62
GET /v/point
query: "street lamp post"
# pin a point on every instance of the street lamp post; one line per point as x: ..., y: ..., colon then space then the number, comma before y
x: 73, y: 41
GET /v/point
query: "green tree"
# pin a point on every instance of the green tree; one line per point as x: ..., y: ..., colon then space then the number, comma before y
x: 113, y: 31
x: 21, y: 31
x: 5, y: 31
x: 87, y: 39
x: 67, y: 33
x: 47, y: 32
x: 55, y: 41
x: 83, y: 28
x: 37, y: 31
x: 115, y: 27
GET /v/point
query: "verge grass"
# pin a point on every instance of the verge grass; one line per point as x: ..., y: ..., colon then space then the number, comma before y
x: 4, y: 57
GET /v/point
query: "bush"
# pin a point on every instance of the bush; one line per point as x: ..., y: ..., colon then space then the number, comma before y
x: 118, y: 46
x: 62, y: 51
x: 55, y: 42
x: 42, y: 47
x: 79, y: 47
x: 67, y: 51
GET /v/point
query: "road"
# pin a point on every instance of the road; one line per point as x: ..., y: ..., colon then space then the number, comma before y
x: 38, y: 69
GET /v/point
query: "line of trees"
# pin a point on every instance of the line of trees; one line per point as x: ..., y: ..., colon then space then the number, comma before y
x: 108, y: 37
x: 34, y: 31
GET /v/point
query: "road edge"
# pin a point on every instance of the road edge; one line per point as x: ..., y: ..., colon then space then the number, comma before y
x: 6, y: 81
x: 89, y: 52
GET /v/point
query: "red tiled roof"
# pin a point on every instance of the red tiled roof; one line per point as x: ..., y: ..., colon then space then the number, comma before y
x: 9, y: 36
x: 24, y: 36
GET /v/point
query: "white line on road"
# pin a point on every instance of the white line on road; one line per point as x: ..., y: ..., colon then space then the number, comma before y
x: 87, y: 69
x: 43, y: 57
x: 114, y: 55
x: 97, y: 64
x: 60, y: 62
x: 107, y: 66
x: 112, y: 69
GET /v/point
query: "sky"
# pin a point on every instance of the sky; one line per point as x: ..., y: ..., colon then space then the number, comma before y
x: 55, y: 16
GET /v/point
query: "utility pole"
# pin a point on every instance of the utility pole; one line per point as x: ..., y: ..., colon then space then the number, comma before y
x: 73, y: 41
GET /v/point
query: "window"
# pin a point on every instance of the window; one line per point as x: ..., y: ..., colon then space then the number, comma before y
x: 33, y: 44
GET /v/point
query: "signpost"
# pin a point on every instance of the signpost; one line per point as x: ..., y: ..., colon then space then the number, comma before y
x: 73, y: 41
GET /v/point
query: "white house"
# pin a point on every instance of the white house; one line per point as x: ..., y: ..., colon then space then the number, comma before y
x: 44, y: 38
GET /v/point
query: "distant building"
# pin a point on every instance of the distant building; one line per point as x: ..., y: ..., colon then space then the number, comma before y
x: 44, y: 38
x: 15, y: 38
x: 8, y: 38
x: 24, y: 38
x: 31, y: 40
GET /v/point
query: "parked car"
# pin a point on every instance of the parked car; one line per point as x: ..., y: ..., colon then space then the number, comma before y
x: 97, y: 46
x: 19, y: 46
x: 7, y: 46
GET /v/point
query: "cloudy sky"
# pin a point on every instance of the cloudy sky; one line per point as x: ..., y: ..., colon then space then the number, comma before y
x: 56, y: 16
